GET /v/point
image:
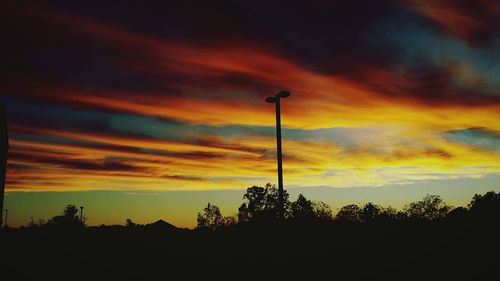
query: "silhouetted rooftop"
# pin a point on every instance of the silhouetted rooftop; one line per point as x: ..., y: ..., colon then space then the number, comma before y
x: 162, y: 225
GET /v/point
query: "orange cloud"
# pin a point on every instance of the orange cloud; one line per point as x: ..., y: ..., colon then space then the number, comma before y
x: 203, y: 85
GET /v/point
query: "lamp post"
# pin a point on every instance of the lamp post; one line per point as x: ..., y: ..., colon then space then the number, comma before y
x: 81, y: 214
x: 276, y: 100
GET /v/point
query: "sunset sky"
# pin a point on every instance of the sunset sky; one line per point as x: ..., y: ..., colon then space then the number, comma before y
x: 149, y: 111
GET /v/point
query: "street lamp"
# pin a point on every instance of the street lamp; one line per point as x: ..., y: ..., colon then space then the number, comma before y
x: 276, y: 100
x: 81, y: 214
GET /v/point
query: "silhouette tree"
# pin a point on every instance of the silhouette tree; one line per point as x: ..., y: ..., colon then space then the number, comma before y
x: 229, y: 221
x: 457, y: 214
x: 243, y: 213
x: 388, y: 214
x: 302, y: 209
x: 211, y: 218
x: 272, y: 201
x: 431, y: 207
x: 68, y: 219
x: 256, y: 197
x: 129, y: 223
x: 370, y: 212
x: 485, y: 207
x: 71, y: 211
x: 322, y: 211
x: 262, y: 204
x: 306, y: 210
x: 350, y: 213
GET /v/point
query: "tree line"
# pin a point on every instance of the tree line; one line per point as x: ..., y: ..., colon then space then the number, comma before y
x: 261, y: 206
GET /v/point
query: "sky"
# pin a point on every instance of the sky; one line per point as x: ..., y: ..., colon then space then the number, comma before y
x: 150, y: 110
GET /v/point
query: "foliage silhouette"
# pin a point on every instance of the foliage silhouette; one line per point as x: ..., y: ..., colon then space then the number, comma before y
x: 485, y: 207
x: 349, y: 214
x: 322, y: 212
x: 306, y: 210
x: 358, y: 242
x: 230, y: 221
x: 68, y: 219
x: 370, y: 212
x: 212, y: 218
x: 130, y: 223
x: 388, y: 214
x: 262, y: 204
x: 431, y: 207
x: 302, y: 209
x: 458, y: 214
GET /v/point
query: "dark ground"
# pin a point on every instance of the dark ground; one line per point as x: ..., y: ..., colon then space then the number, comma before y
x: 401, y: 251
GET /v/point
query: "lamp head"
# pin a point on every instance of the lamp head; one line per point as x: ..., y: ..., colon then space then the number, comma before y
x: 270, y: 100
x: 283, y: 94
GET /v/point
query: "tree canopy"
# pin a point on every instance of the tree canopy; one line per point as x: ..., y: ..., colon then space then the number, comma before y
x: 211, y: 218
x: 68, y: 219
x: 431, y: 207
x: 262, y: 204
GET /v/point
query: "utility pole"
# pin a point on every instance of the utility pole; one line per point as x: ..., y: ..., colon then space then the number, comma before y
x: 276, y: 100
x: 32, y: 223
x: 4, y: 148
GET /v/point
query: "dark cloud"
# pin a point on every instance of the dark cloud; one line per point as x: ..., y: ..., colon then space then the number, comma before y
x: 326, y: 36
x: 42, y: 137
x: 52, y: 52
x: 426, y: 82
x: 198, y: 155
x: 15, y: 166
x: 219, y: 143
x: 182, y: 178
x: 42, y: 115
x: 477, y: 22
x: 47, y: 58
x: 95, y: 165
x: 77, y: 164
x: 480, y: 137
